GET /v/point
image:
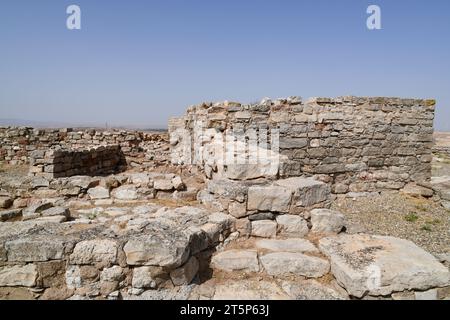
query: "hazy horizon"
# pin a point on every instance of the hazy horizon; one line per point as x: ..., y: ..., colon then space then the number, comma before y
x: 139, y: 63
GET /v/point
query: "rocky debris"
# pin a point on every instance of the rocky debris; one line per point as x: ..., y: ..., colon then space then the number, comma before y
x: 236, y: 260
x: 249, y: 290
x: 380, y: 265
x: 264, y: 228
x: 287, y: 245
x: 293, y: 263
x: 327, y: 221
x: 312, y: 290
x: 292, y: 226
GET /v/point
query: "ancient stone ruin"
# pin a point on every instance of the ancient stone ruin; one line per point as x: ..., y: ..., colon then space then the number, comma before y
x: 235, y: 202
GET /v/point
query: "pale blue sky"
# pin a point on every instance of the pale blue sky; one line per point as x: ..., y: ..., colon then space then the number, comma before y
x: 140, y: 62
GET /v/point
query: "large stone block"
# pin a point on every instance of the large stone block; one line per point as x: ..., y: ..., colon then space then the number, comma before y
x: 269, y: 198
x: 379, y: 265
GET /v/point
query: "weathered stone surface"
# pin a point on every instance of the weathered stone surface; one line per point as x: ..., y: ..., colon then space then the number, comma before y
x: 148, y: 277
x: 5, y: 202
x: 252, y: 171
x: 269, y: 198
x: 237, y: 209
x: 39, y: 182
x: 34, y: 211
x: 288, y: 245
x: 249, y: 290
x: 162, y: 250
x: 94, y: 251
x: 98, y: 193
x: 178, y: 183
x: 312, y: 290
x: 417, y: 191
x: 10, y: 214
x: 115, y: 273
x: 56, y: 211
x: 186, y: 273
x: 163, y: 184
x: 261, y: 216
x: 264, y: 228
x: 327, y: 221
x: 290, y: 263
x: 236, y: 260
x: 14, y: 276
x: 36, y: 248
x: 379, y: 265
x: 307, y: 191
x: 228, y: 189
x: 291, y: 225
x: 125, y: 193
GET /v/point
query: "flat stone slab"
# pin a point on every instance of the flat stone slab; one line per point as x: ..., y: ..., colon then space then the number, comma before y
x: 294, y: 264
x: 380, y: 265
x: 312, y: 290
x: 236, y: 260
x: 249, y: 290
x: 288, y: 245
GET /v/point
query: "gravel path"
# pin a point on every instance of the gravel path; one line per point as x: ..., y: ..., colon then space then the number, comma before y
x: 422, y: 221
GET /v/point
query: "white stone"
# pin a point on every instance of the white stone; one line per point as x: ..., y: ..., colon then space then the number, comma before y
x: 125, y: 193
x: 291, y: 225
x: 98, y: 193
x: 249, y: 290
x: 236, y: 260
x: 380, y: 265
x: 287, y: 245
x: 148, y: 277
x: 94, y: 251
x: 269, y: 198
x: 264, y: 228
x: 298, y: 264
x: 327, y: 221
x: 18, y: 276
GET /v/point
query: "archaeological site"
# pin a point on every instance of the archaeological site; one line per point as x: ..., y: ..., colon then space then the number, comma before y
x: 285, y: 199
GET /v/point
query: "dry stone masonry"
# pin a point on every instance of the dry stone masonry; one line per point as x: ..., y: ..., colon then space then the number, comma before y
x: 357, y: 144
x: 67, y: 163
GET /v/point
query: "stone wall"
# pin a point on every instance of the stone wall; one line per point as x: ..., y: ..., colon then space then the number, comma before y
x: 356, y: 144
x: 68, y: 163
x: 18, y: 142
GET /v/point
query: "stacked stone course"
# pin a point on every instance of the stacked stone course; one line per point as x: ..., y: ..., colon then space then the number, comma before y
x: 67, y: 163
x: 18, y: 142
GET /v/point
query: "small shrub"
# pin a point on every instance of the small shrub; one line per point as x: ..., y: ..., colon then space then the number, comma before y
x: 411, y: 217
x: 426, y: 227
